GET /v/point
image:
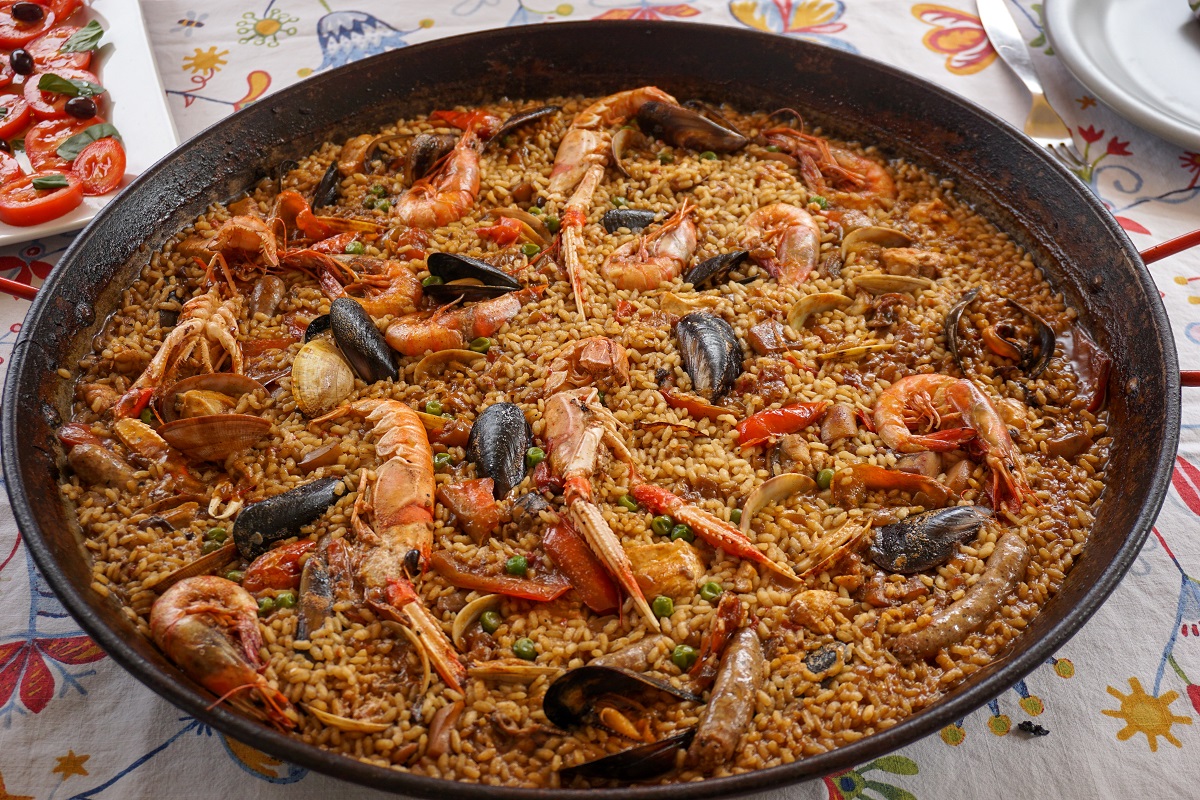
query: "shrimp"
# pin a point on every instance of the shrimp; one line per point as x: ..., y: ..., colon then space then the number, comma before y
x: 296, y: 215
x: 398, y: 545
x: 860, y: 182
x: 588, y: 362
x: 382, y: 286
x: 784, y: 240
x: 447, y: 193
x: 203, y: 319
x: 571, y: 238
x: 652, y: 260
x: 208, y: 627
x: 576, y: 426
x: 588, y: 141
x: 939, y: 398
x: 452, y: 329
x: 246, y: 236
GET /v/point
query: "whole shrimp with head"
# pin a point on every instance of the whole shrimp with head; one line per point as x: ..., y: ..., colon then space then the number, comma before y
x: 784, y: 240
x: 941, y: 399
x: 448, y: 192
x: 650, y: 261
x: 576, y: 427
x: 398, y: 545
x: 208, y: 627
x: 859, y: 182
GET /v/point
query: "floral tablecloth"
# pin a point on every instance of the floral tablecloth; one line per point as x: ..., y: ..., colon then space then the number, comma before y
x: 1119, y: 702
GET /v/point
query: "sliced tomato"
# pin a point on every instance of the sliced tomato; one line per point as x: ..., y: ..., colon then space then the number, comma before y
x: 23, y: 205
x: 100, y: 166
x: 52, y: 105
x: 6, y: 70
x: 10, y: 168
x: 44, y: 138
x: 15, y: 117
x: 45, y: 53
x: 62, y: 9
x: 14, y: 33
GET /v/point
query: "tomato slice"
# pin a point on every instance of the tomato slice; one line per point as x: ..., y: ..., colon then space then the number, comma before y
x: 15, y: 117
x: 52, y: 105
x: 100, y: 166
x: 10, y: 168
x: 21, y: 204
x: 45, y: 53
x: 14, y: 33
x: 44, y: 138
x: 62, y: 8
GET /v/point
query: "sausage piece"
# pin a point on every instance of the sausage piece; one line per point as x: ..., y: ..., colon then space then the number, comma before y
x: 98, y: 466
x: 731, y: 706
x: 1004, y: 568
x: 635, y: 656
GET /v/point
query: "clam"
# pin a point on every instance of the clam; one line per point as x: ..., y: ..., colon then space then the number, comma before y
x: 360, y: 341
x: 204, y: 565
x: 321, y: 378
x: 877, y: 235
x: 711, y: 353
x: 470, y: 614
x: 639, y: 763
x: 267, y: 521
x: 214, y: 437
x: 781, y: 487
x: 443, y: 360
x: 623, y: 140
x: 499, y: 440
x: 635, y: 219
x: 534, y: 229
x: 927, y: 540
x: 512, y: 670
x: 817, y: 303
x: 574, y: 697
x: 209, y: 393
x: 715, y: 268
x: 854, y: 351
x: 882, y: 282
x: 465, y: 277
x: 426, y: 150
x: 347, y: 723
x: 684, y: 127
x: 676, y: 306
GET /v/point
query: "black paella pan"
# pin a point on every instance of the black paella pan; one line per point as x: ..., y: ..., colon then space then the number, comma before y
x: 1019, y: 186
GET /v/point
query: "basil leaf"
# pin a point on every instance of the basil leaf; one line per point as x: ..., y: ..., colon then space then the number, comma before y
x: 84, y: 39
x: 49, y: 82
x: 72, y: 147
x: 51, y: 182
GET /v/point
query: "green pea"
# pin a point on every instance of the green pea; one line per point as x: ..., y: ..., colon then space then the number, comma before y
x: 628, y: 503
x: 480, y: 345
x: 433, y: 408
x: 356, y: 248
x: 824, y: 478
x: 772, y: 148
x: 432, y: 280
x: 663, y: 606
x: 147, y: 416
x: 684, y: 656
x: 710, y: 591
x: 490, y: 621
x: 525, y: 648
x: 665, y: 158
x: 821, y: 201
x: 620, y: 202
x: 537, y: 212
x: 216, y: 534
x: 384, y: 206
x: 235, y: 575
x: 735, y: 516
x: 534, y: 456
x: 510, y: 140
x: 553, y: 224
x: 447, y: 415
x: 530, y: 249
x: 708, y: 155
x: 210, y: 547
x: 682, y: 532
x: 442, y: 460
x: 378, y: 190
x: 662, y: 525
x: 516, y: 565
x: 369, y: 201
x: 265, y: 605
x: 285, y: 599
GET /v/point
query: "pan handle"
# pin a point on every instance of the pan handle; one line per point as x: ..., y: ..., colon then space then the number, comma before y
x: 1171, y: 247
x: 20, y: 290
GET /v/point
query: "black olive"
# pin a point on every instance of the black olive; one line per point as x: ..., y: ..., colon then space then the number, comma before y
x: 81, y: 107
x: 22, y: 62
x: 28, y: 12
x: 5, y: 147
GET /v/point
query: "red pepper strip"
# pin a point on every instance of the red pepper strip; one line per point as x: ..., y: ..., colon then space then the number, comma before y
x: 466, y: 576
x: 506, y: 231
x: 776, y: 421
x: 625, y: 309
x: 694, y: 407
x: 472, y: 504
x: 277, y: 569
x: 73, y: 434
x: 255, y: 347
x: 571, y: 554
x: 479, y: 121
x: 544, y: 478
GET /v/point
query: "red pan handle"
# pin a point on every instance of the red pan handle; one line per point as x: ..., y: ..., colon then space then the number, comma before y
x: 21, y: 290
x: 1171, y: 247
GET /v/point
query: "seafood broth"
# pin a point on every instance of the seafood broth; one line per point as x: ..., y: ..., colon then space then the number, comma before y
x: 617, y: 439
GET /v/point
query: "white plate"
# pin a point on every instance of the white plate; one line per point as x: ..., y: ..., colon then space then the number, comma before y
x: 1141, y: 57
x: 135, y: 104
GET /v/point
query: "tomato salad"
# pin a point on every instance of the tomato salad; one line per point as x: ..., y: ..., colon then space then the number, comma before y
x: 52, y: 107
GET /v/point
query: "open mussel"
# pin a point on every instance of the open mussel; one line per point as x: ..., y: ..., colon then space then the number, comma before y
x: 715, y: 268
x: 466, y: 277
x: 326, y: 193
x: 684, y: 127
x: 573, y: 697
x: 1034, y: 357
x: 635, y: 219
x: 924, y: 541
x: 521, y: 118
x: 499, y: 440
x: 639, y: 763
x: 425, y: 151
x: 360, y: 341
x: 711, y: 354
x: 263, y: 523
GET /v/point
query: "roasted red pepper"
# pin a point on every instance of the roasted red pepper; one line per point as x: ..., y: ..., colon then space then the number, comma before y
x: 693, y: 406
x: 256, y: 347
x: 74, y: 433
x: 571, y: 554
x: 472, y: 503
x: 469, y: 576
x: 277, y: 569
x: 506, y: 231
x: 777, y: 421
x: 481, y: 122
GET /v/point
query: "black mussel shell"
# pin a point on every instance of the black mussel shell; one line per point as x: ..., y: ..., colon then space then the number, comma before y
x: 281, y: 516
x: 452, y: 267
x: 684, y: 127
x: 633, y: 218
x: 521, y: 118
x: 823, y: 659
x: 360, y: 341
x: 951, y: 326
x: 640, y: 763
x: 281, y: 171
x: 424, y: 152
x: 443, y: 293
x: 715, y: 268
x: 927, y: 540
x: 326, y: 193
x: 1045, y: 341
x: 499, y: 440
x: 315, y: 328
x: 716, y: 116
x: 711, y: 353
x: 570, y: 697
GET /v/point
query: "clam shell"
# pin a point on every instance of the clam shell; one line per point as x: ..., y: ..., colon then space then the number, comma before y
x: 230, y: 384
x: 781, y: 487
x: 345, y: 723
x: 677, y: 306
x: 882, y: 283
x: 443, y: 360
x: 470, y: 613
x: 512, y: 671
x: 874, y: 234
x: 214, y: 437
x: 321, y: 378
x: 811, y: 304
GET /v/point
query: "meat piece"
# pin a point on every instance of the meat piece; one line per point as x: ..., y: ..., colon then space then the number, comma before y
x: 98, y: 466
x: 98, y: 397
x: 635, y: 656
x: 814, y: 610
x: 792, y: 454
x: 928, y: 463
x: 767, y: 338
x: 951, y: 625
x: 667, y: 568
x: 268, y: 293
x: 839, y: 423
x: 910, y: 261
x: 731, y: 706
x: 882, y: 312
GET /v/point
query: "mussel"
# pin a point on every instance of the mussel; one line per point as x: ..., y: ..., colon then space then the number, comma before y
x: 639, y: 763
x: 684, y: 127
x: 715, y: 268
x: 1034, y: 357
x: 499, y: 440
x: 574, y: 696
x: 360, y: 341
x: 426, y: 150
x: 466, y: 277
x: 326, y: 193
x: 263, y: 523
x: 635, y: 219
x: 924, y: 541
x: 711, y: 353
x: 521, y: 118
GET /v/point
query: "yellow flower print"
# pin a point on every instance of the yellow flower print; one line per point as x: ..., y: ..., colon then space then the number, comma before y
x: 205, y: 60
